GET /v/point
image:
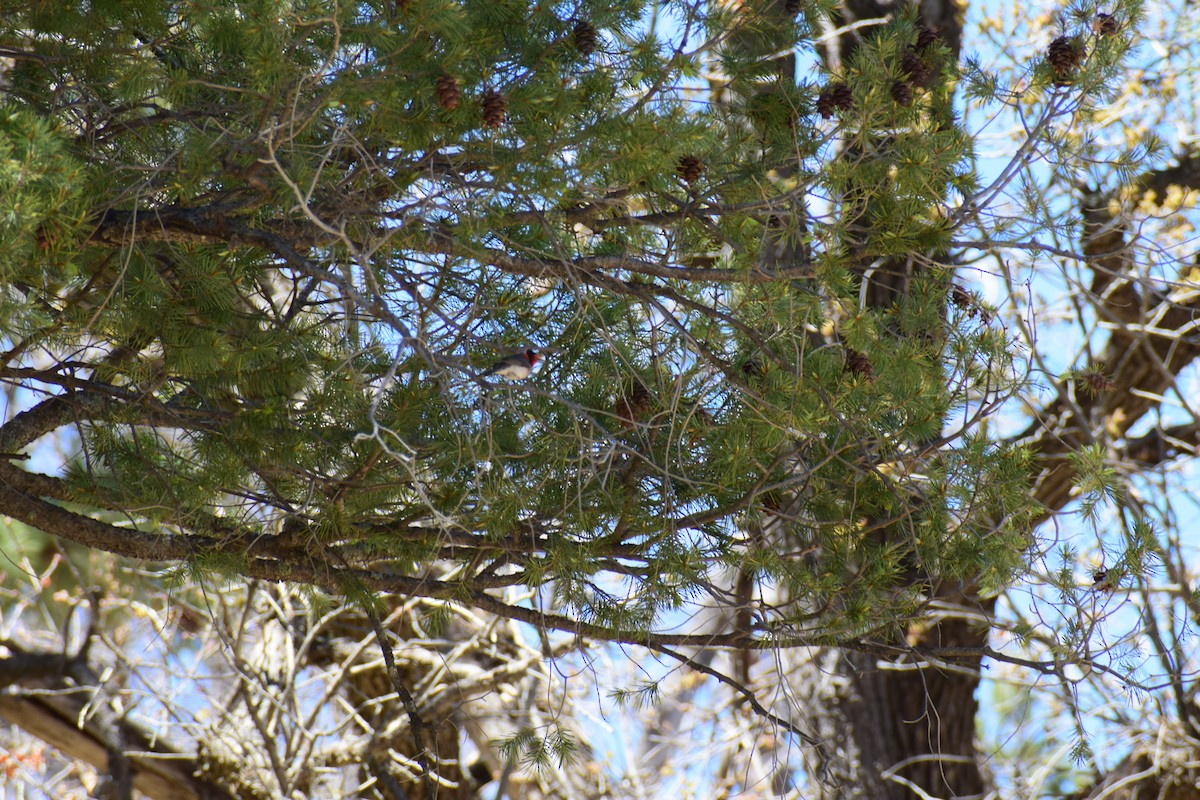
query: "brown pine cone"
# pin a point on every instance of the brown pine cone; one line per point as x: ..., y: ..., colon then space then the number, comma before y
x: 1064, y: 54
x: 858, y: 363
x: 902, y: 93
x: 448, y: 92
x: 494, y: 107
x: 833, y: 97
x: 1096, y: 383
x: 584, y: 36
x: 961, y: 297
x: 792, y: 7
x: 1105, y: 24
x: 634, y: 405
x: 927, y: 38
x: 690, y: 169
x: 912, y: 65
x: 46, y: 239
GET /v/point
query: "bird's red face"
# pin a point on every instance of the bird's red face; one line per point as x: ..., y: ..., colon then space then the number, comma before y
x: 532, y: 357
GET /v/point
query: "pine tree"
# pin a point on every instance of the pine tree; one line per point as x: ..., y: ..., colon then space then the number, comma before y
x: 258, y: 257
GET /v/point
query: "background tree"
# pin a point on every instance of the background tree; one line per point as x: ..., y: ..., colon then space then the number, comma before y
x: 798, y: 448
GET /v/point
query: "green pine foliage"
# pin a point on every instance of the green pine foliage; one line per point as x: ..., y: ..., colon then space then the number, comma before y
x: 259, y: 230
x: 527, y: 747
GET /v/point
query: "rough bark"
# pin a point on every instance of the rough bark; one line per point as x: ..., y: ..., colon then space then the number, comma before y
x: 1157, y: 770
x: 898, y: 725
x: 905, y: 729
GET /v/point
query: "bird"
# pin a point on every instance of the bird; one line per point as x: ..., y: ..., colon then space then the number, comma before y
x: 515, y: 367
x: 1103, y: 582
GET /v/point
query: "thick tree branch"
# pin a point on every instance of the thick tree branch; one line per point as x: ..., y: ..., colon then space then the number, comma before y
x: 41, y: 702
x: 217, y: 224
x: 1140, y: 361
x: 1163, y: 444
x: 1185, y: 173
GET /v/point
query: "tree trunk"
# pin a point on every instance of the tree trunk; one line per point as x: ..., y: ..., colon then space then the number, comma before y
x: 897, y: 729
x: 889, y: 726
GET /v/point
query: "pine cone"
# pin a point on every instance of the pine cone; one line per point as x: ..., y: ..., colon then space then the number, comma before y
x: 448, y: 93
x: 1064, y: 55
x: 1105, y: 24
x: 792, y: 7
x: 1097, y: 383
x: 927, y: 38
x: 494, y: 107
x: 912, y: 65
x: 690, y: 169
x: 961, y: 297
x: 902, y: 93
x: 584, y: 36
x: 46, y: 239
x: 833, y: 97
x: 634, y: 405
x: 752, y: 369
x: 858, y: 363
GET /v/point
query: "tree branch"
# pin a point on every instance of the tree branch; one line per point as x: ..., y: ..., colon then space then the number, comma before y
x: 51, y: 712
